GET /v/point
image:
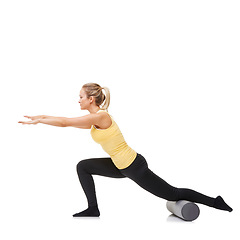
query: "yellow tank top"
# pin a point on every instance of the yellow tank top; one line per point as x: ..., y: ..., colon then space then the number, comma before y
x: 112, y: 142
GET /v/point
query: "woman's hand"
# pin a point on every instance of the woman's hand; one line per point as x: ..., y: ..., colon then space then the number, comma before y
x: 34, y: 119
x: 49, y: 120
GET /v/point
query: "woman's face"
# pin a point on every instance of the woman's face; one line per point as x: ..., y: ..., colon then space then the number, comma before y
x: 84, y: 100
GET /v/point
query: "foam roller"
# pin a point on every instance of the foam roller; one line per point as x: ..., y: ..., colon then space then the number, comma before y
x: 183, y: 209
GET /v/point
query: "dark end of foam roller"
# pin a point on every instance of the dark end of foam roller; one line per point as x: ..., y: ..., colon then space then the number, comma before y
x: 190, y: 211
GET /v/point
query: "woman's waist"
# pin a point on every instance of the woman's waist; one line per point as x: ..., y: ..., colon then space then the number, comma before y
x: 124, y: 158
x: 116, y: 149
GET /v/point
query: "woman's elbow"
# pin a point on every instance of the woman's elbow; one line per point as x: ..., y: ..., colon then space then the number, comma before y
x: 64, y: 122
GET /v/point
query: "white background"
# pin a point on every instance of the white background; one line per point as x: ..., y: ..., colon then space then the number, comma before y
x: 173, y: 71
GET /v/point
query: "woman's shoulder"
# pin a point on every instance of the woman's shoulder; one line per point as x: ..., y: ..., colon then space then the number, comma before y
x: 106, y: 119
x: 103, y: 112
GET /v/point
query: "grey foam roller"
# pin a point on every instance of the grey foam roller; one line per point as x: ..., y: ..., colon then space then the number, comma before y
x: 183, y: 209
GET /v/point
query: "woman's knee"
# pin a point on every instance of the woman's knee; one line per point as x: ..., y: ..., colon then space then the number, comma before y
x: 81, y: 166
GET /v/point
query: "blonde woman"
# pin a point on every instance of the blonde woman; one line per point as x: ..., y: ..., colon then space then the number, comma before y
x: 123, y: 161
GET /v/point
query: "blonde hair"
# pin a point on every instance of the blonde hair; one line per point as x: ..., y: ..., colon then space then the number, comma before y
x: 95, y: 90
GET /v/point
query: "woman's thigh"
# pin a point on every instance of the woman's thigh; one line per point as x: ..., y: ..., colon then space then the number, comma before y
x: 100, y: 166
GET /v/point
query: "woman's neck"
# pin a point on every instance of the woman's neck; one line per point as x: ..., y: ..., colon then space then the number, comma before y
x: 94, y: 109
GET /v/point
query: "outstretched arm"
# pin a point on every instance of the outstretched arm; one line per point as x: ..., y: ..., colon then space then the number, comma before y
x: 79, y: 122
x: 54, y: 121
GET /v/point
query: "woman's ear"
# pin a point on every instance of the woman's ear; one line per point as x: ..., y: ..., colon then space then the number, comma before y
x: 91, y: 99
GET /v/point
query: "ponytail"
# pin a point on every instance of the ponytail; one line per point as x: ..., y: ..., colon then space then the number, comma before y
x: 106, y: 99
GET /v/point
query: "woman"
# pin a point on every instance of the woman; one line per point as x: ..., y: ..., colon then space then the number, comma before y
x: 123, y: 160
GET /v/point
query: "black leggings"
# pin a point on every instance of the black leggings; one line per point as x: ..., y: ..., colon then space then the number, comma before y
x: 139, y: 172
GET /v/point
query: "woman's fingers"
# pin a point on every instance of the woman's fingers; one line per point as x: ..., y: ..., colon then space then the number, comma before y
x: 29, y: 122
x: 34, y: 120
x: 34, y: 117
x: 24, y: 122
x: 30, y: 117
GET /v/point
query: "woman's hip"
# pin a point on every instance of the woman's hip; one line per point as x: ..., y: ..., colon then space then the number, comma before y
x: 136, y: 168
